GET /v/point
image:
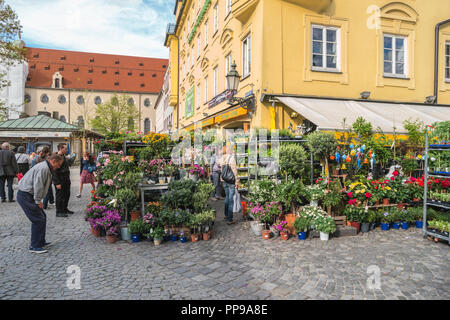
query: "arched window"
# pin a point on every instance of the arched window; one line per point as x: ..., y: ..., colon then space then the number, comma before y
x: 147, y: 125
x: 147, y: 102
x: 80, y: 100
x: 98, y: 100
x: 27, y: 98
x: 131, y: 101
x: 62, y: 118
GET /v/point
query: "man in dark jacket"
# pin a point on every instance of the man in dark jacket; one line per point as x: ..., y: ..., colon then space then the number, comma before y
x: 8, y: 170
x: 61, y: 180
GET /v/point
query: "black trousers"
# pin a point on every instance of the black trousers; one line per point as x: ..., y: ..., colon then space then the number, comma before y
x: 62, y: 198
x: 9, y: 181
x: 37, y: 217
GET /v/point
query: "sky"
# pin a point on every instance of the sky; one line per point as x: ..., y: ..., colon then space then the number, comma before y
x: 122, y: 27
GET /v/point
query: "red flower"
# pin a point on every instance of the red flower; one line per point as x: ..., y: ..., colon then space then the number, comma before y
x: 368, y: 194
x: 395, y: 173
x: 352, y: 202
x: 413, y: 179
x: 350, y: 195
x: 392, y: 178
x: 376, y: 188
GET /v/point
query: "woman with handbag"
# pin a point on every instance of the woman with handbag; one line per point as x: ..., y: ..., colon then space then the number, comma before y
x: 229, y: 176
x: 87, y: 169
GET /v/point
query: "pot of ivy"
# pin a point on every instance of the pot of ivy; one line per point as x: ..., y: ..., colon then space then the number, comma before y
x: 325, y: 225
x: 157, y: 235
x: 301, y: 226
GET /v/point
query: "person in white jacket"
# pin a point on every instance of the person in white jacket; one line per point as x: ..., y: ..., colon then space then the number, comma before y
x: 32, y: 189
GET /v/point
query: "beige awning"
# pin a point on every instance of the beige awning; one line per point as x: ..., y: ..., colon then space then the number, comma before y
x: 329, y: 114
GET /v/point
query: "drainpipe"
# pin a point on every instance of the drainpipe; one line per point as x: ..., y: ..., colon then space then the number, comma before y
x: 436, y: 58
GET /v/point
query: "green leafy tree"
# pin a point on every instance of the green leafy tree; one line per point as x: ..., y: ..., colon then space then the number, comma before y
x: 10, y: 51
x: 321, y: 145
x: 115, y: 115
x: 363, y: 129
x: 416, y: 132
x: 293, y: 159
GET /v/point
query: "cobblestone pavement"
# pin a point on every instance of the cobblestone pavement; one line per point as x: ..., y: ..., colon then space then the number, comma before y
x: 234, y: 264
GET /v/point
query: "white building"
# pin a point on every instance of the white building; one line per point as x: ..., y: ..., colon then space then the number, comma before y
x: 163, y: 111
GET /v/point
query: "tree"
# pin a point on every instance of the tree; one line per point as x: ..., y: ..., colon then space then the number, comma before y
x: 115, y: 115
x: 10, y: 52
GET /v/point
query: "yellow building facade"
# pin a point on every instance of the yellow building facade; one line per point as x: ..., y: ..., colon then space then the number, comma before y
x: 334, y: 49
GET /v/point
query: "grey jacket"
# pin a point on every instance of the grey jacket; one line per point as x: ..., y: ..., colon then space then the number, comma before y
x: 37, y: 181
x: 8, y: 164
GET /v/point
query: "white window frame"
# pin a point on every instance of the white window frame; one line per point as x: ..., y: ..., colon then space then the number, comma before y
x: 206, y: 89
x: 199, y: 95
x: 206, y: 33
x: 447, y: 66
x: 246, y: 56
x: 394, y: 56
x: 199, y: 45
x: 216, y: 81
x: 228, y: 7
x: 324, y: 48
x: 228, y: 63
x: 216, y: 18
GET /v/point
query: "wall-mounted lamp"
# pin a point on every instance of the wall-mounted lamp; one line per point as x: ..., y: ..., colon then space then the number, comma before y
x: 430, y: 99
x: 365, y: 95
x: 294, y: 115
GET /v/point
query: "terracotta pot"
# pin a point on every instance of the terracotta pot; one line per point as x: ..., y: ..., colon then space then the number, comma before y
x: 355, y: 225
x: 266, y: 234
x: 290, y: 218
x: 135, y: 215
x: 96, y: 232
x: 111, y: 239
x: 206, y: 236
x: 349, y: 223
x: 244, y: 208
x: 416, y: 199
x: 400, y: 206
x: 284, y: 235
x: 377, y: 203
x: 385, y: 201
x: 195, y: 237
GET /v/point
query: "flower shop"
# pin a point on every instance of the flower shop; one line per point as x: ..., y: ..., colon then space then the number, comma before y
x: 327, y: 185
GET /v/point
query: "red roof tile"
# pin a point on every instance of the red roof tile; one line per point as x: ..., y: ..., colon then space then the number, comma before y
x: 106, y: 70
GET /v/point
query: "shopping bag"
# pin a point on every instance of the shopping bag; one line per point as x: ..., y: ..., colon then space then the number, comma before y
x: 237, y: 207
x: 19, y: 176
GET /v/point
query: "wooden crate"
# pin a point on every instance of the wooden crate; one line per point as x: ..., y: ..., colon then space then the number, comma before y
x: 340, y: 220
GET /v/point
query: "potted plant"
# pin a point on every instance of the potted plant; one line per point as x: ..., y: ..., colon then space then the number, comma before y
x: 301, y: 226
x: 396, y: 217
x: 158, y: 234
x: 325, y: 225
x: 274, y: 212
x: 407, y: 217
x: 193, y: 224
x: 94, y: 215
x: 256, y: 211
x: 372, y: 218
x: 207, y: 217
x: 170, y: 170
x: 126, y: 200
x: 111, y: 222
x: 314, y: 193
x: 196, y: 172
x: 290, y: 195
x: 365, y: 223
x: 136, y: 227
x: 385, y: 218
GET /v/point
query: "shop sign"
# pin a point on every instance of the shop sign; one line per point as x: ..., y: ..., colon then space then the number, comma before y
x: 189, y: 103
x: 227, y: 94
x: 230, y: 114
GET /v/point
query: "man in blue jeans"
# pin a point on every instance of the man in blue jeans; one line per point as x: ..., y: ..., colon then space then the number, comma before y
x: 32, y: 188
x: 8, y: 170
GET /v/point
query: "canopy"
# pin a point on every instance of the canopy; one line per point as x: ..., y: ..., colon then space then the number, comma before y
x: 328, y: 114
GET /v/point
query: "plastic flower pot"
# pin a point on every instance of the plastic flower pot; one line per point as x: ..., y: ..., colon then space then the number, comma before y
x: 195, y: 237
x: 365, y: 227
x: 174, y: 237
x: 266, y: 234
x: 302, y: 236
x: 183, y: 239
x: 135, y: 215
x: 111, y: 239
x: 324, y: 236
x: 419, y: 224
x: 355, y: 225
x: 384, y: 226
x: 96, y: 232
x: 396, y: 225
x: 373, y: 226
x: 157, y: 242
x: 256, y: 227
x: 206, y: 236
x: 136, y: 237
x: 405, y: 225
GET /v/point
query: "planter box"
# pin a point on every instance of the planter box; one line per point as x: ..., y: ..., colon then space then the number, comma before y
x: 344, y: 231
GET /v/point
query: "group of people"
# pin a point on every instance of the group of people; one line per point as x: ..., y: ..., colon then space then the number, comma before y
x: 35, y: 190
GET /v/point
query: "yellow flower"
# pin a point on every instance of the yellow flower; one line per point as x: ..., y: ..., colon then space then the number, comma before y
x: 388, y: 188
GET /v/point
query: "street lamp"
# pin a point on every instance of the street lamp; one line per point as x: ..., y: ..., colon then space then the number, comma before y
x: 233, y: 79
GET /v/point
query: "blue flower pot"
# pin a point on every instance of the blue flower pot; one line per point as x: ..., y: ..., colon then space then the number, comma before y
x: 396, y: 225
x: 302, y: 236
x: 182, y: 239
x: 174, y: 237
x: 419, y: 224
x: 405, y: 225
x: 384, y: 226
x: 136, y: 237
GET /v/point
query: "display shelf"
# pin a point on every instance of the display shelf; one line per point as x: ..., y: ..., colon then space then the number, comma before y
x: 242, y: 168
x: 438, y: 204
x: 438, y: 175
x: 436, y: 235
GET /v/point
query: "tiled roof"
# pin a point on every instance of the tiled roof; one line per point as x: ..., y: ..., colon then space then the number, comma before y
x: 39, y: 122
x: 95, y: 71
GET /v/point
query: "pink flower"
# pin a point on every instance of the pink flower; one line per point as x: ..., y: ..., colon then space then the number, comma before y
x: 350, y: 194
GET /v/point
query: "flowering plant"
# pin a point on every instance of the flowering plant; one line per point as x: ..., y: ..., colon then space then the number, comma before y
x: 256, y: 210
x: 281, y: 226
x: 153, y: 207
x: 263, y: 190
x: 111, y: 220
x: 170, y: 169
x: 315, y: 192
x: 197, y: 170
x: 325, y: 224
